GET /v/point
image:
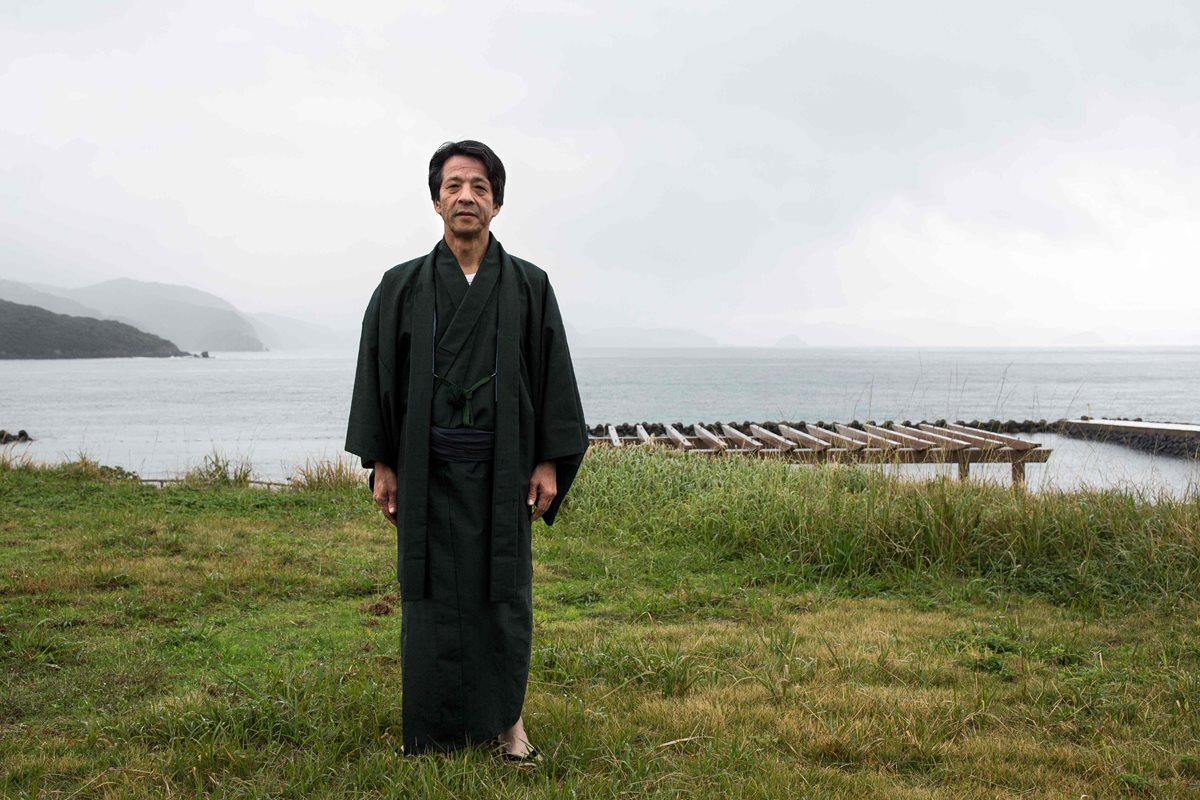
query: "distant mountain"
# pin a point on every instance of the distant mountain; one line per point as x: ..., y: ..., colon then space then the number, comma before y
x: 30, y: 295
x: 641, y: 337
x: 31, y: 332
x: 790, y: 341
x: 285, y: 333
x: 193, y: 319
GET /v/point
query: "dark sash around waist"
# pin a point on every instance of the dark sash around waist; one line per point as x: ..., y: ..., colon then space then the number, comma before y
x: 460, y: 444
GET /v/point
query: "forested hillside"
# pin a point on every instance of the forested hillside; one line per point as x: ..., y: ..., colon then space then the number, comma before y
x: 32, y: 332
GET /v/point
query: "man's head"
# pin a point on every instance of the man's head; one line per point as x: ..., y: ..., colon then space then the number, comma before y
x: 466, y: 182
x: 492, y: 165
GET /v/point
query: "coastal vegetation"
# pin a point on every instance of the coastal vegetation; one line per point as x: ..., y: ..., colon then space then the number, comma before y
x: 703, y: 628
x: 32, y: 332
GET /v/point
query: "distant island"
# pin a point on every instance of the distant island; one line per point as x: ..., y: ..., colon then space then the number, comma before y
x: 32, y: 332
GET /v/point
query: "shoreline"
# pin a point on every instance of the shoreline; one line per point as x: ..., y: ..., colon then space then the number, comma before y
x: 1076, y: 466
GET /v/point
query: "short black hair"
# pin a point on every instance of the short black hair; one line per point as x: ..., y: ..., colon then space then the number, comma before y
x: 467, y: 147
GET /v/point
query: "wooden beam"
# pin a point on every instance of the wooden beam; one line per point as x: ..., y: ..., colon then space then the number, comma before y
x: 1000, y: 438
x: 802, y: 438
x: 1018, y: 473
x: 773, y: 439
x: 959, y: 436
x: 709, y: 438
x: 746, y: 442
x: 835, y: 439
x: 883, y: 442
x: 943, y: 442
x: 905, y: 440
x: 640, y: 430
x: 678, y: 438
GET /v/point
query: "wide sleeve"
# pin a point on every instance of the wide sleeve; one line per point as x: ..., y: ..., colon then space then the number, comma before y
x: 367, y: 433
x: 561, y: 434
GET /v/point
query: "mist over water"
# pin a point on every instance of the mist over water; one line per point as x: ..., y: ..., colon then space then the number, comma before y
x: 278, y: 410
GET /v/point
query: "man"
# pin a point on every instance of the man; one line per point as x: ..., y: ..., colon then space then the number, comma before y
x: 465, y: 406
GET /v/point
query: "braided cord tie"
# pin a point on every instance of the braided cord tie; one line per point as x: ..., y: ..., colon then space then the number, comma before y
x: 461, y: 398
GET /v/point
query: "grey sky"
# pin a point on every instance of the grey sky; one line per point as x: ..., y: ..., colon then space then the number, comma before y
x: 954, y: 173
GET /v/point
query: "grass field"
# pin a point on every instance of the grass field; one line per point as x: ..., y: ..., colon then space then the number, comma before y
x: 703, y: 628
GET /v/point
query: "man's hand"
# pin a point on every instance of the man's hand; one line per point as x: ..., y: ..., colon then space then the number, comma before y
x: 543, y: 486
x: 385, y: 490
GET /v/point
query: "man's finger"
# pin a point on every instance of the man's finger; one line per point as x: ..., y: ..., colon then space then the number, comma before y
x: 543, y: 505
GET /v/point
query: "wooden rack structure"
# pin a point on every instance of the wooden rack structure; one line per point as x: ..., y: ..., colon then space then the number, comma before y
x: 890, y: 443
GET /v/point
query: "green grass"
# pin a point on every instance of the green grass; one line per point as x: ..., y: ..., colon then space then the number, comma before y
x: 703, y: 628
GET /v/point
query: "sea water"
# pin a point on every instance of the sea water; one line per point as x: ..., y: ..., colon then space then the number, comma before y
x: 277, y: 411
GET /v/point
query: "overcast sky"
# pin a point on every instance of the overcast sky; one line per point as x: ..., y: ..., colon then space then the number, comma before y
x: 857, y: 173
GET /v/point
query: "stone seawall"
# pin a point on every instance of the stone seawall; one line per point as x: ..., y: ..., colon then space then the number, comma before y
x: 1163, y: 442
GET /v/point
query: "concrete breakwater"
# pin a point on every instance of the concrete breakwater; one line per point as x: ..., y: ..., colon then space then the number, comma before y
x: 1156, y: 438
x: 14, y: 438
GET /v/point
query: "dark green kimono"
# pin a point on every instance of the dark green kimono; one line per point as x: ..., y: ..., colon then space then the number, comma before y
x: 463, y: 531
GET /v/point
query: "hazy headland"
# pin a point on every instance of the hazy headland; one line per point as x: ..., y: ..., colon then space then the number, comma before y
x: 194, y: 320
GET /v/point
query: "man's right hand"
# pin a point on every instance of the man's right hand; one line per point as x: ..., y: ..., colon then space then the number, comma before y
x: 385, y: 490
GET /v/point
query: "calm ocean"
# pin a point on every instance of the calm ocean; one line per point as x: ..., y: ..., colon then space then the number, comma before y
x: 279, y: 410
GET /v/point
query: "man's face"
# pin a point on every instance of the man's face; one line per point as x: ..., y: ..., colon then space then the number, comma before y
x: 465, y: 201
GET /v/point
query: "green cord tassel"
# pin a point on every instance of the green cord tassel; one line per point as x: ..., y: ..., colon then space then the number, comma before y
x: 461, y: 398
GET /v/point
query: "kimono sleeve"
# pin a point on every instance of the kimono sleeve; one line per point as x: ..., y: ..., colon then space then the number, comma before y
x: 561, y: 430
x: 367, y: 433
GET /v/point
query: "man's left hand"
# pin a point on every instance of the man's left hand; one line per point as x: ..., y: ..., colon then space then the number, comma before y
x: 543, y: 486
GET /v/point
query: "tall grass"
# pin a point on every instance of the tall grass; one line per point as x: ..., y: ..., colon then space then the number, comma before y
x: 851, y: 522
x: 218, y: 469
x: 11, y: 460
x: 339, y: 474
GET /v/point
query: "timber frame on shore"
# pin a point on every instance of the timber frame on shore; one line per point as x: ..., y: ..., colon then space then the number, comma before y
x: 890, y: 443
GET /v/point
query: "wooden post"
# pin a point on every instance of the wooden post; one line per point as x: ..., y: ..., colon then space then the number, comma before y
x: 612, y: 436
x: 964, y: 467
x: 1018, y: 472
